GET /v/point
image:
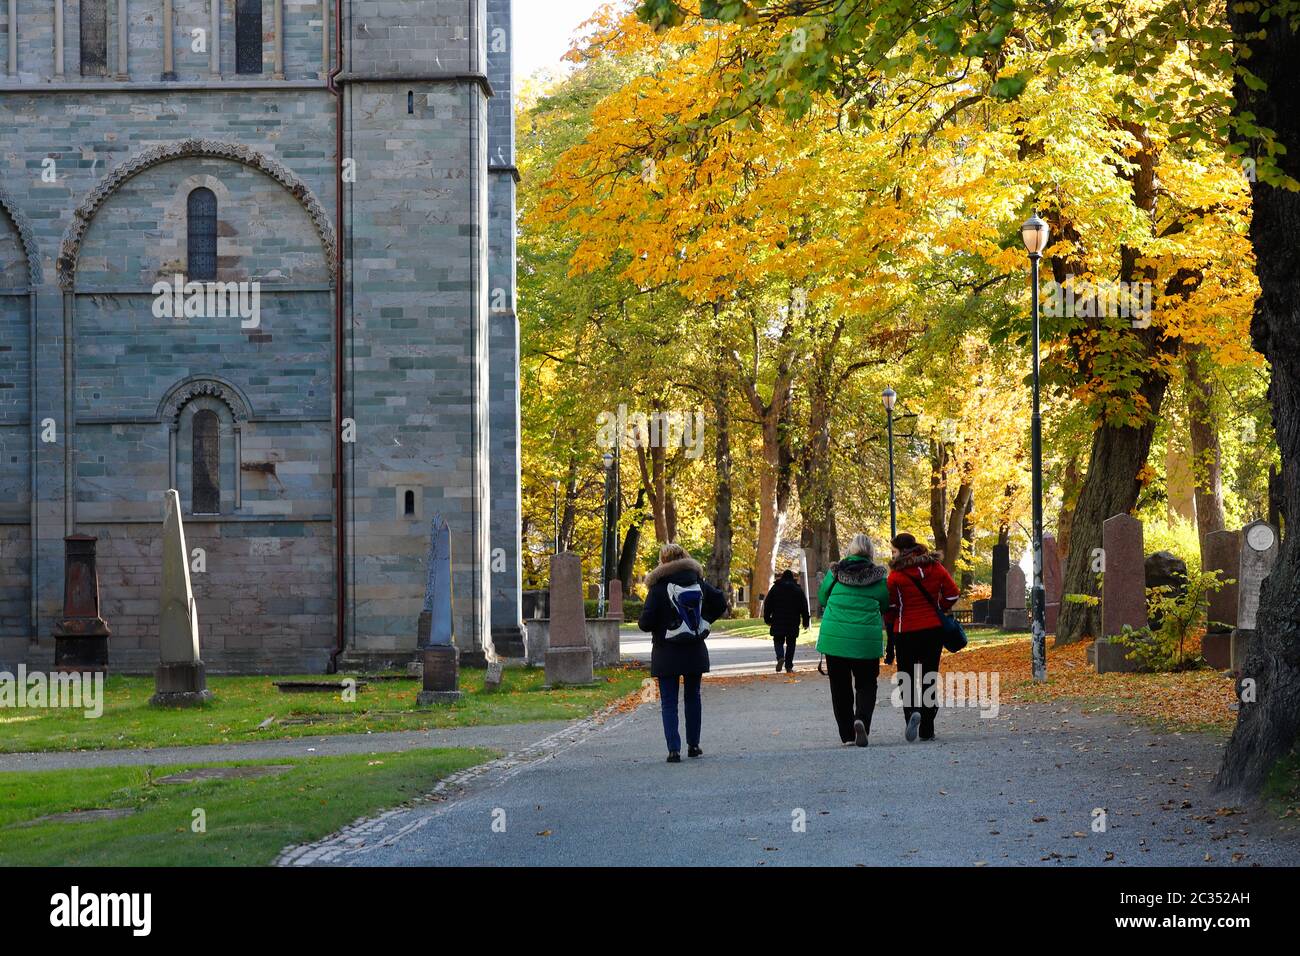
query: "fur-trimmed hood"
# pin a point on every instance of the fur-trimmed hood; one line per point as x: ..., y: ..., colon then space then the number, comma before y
x: 672, y: 568
x: 918, y: 558
x: 859, y: 573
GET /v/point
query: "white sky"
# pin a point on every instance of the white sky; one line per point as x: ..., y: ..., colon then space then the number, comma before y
x: 543, y: 30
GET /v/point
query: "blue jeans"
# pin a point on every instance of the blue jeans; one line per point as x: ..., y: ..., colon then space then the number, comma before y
x: 668, y: 689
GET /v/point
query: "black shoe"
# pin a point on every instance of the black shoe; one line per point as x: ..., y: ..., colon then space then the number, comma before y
x: 913, y: 725
x: 859, y: 733
x: 695, y: 752
x: 674, y: 757
x: 789, y: 668
x: 779, y: 665
x: 928, y: 738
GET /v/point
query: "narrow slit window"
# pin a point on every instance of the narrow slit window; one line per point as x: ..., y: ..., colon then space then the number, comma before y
x: 248, y: 36
x: 409, y: 503
x: 201, y: 240
x: 205, y: 487
x: 410, y: 102
x: 94, y: 37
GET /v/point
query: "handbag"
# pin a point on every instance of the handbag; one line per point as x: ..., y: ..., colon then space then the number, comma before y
x: 821, y: 662
x: 954, y: 635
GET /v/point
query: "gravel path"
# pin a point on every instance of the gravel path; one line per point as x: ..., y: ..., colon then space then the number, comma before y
x: 1018, y: 789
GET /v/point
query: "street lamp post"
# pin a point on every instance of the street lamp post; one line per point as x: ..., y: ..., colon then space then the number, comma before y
x: 605, y: 550
x: 1035, y: 234
x: 555, y: 513
x: 890, y: 397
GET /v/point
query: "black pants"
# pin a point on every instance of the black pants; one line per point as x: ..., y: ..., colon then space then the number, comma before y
x: 846, y: 674
x: 918, y: 655
x: 785, y: 647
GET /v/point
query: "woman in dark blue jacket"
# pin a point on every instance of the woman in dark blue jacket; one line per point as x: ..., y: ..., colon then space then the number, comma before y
x: 677, y: 617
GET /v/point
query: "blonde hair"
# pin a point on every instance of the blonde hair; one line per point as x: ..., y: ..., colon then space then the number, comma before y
x: 862, y: 547
x: 672, y: 552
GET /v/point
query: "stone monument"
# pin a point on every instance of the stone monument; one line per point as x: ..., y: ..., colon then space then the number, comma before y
x: 1016, y: 615
x: 1222, y: 553
x: 435, y: 630
x: 1123, y: 591
x: 568, y: 655
x: 1001, y: 565
x: 1259, y: 550
x: 181, y: 679
x: 81, y: 635
x: 1164, y: 569
x: 1053, y: 581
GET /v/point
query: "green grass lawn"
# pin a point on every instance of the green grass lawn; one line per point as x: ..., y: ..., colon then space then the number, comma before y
x: 248, y: 821
x: 241, y: 704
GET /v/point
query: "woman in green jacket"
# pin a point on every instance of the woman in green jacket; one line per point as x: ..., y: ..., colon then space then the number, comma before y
x: 852, y: 636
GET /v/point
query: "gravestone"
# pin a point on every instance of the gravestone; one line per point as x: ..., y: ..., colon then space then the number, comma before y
x: 1053, y: 581
x: 980, y: 611
x: 568, y: 655
x: 1222, y: 554
x: 593, y: 592
x: 1016, y: 615
x: 81, y: 635
x: 615, y: 609
x: 537, y: 605
x: 1259, y: 550
x: 1001, y: 565
x: 1164, y: 569
x: 1123, y: 591
x: 492, y: 678
x: 439, y: 653
x: 181, y: 678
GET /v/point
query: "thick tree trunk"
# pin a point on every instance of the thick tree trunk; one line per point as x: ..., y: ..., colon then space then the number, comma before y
x: 1110, y: 488
x: 968, y: 542
x: 939, y: 495
x: 813, y: 478
x: 1071, y: 483
x: 956, y: 518
x: 1207, y: 454
x: 773, y: 482
x: 631, y: 541
x: 569, y: 514
x: 1268, y: 721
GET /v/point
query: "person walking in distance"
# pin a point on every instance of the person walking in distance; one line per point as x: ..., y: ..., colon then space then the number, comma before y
x: 783, y: 611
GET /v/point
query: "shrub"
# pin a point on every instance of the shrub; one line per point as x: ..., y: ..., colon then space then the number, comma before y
x: 1161, y: 649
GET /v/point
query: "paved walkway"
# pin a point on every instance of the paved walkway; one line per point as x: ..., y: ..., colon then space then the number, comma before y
x: 504, y: 737
x: 727, y: 655
x: 1021, y: 788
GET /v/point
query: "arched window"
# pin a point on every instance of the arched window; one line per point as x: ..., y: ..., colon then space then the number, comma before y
x: 94, y: 37
x: 201, y: 232
x: 408, y: 504
x: 248, y: 36
x: 205, y: 478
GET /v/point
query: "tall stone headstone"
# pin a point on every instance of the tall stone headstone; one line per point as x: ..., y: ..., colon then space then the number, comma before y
x: 1053, y: 581
x: 568, y: 656
x: 1123, y: 591
x: 435, y: 634
x: 1001, y: 565
x: 615, y: 609
x: 1259, y: 551
x: 181, y: 678
x: 1167, y: 571
x: 81, y: 635
x: 1016, y: 615
x: 1124, y: 598
x: 1221, y: 553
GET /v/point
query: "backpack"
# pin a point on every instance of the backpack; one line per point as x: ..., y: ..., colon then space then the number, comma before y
x: 688, y: 604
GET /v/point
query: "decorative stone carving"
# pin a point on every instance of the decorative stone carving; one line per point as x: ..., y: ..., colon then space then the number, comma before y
x: 35, y: 277
x: 70, y: 249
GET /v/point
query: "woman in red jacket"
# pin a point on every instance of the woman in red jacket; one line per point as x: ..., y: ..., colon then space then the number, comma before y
x: 918, y: 585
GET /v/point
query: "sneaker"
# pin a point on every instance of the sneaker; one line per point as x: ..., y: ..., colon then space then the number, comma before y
x: 674, y: 757
x: 859, y: 733
x: 695, y: 752
x: 913, y: 725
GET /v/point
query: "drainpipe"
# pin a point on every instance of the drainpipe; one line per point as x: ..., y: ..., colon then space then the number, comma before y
x: 340, y: 496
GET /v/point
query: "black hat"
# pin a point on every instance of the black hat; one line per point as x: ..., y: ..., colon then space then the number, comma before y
x: 787, y: 575
x: 904, y: 542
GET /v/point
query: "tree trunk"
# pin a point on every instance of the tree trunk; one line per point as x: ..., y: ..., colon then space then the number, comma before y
x: 1207, y: 455
x: 1071, y: 483
x: 1268, y: 722
x: 1110, y: 488
x: 956, y: 519
x: 968, y: 542
x: 774, y: 479
x: 631, y: 541
x: 939, y: 495
x: 569, y: 514
x: 718, y: 572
